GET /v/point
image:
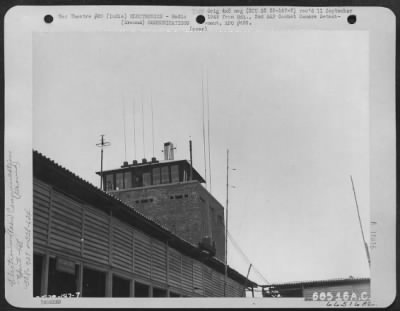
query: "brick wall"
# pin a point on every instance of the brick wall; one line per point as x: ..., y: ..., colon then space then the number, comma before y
x: 187, y: 209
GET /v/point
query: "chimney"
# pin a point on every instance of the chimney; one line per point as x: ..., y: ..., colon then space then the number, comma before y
x: 168, y: 151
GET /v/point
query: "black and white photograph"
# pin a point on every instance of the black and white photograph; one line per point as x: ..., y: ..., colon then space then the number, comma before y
x: 200, y: 162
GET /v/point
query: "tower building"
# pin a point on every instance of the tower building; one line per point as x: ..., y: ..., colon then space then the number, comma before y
x: 171, y: 193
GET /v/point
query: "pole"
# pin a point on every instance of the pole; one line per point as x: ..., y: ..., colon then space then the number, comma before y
x: 226, y: 220
x: 247, y: 279
x: 359, y: 220
x: 102, y: 144
x: 191, y: 160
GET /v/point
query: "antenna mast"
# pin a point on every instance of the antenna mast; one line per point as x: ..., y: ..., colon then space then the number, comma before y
x: 359, y: 220
x: 204, y: 131
x: 208, y: 130
x: 226, y: 220
x: 144, y: 152
x: 123, y: 115
x: 102, y: 144
x: 152, y: 121
x: 134, y: 130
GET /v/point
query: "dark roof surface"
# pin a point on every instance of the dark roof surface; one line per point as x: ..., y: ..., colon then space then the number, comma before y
x: 62, y: 179
x: 318, y: 282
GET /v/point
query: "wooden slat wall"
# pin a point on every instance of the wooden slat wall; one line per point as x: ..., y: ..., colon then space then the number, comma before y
x: 122, y: 246
x: 187, y: 273
x: 96, y: 235
x: 174, y: 268
x: 158, y: 261
x: 110, y: 241
x: 142, y: 254
x: 207, y: 281
x: 41, y: 203
x: 198, y: 278
x: 66, y: 224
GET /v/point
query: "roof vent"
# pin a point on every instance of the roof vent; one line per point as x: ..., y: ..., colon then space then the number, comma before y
x: 144, y: 160
x: 134, y: 162
x: 154, y: 160
x: 125, y: 164
x: 168, y: 151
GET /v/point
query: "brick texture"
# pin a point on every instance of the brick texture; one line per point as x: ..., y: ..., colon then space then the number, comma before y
x: 185, y: 208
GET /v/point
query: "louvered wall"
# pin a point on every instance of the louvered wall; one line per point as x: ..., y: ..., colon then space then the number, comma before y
x: 70, y: 227
x: 41, y: 203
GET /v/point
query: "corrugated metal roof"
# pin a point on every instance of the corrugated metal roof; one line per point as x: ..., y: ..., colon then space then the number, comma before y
x: 176, y: 241
x: 318, y: 282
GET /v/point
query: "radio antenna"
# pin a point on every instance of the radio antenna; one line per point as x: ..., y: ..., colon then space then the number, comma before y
x: 204, y: 131
x: 123, y: 115
x: 134, y: 129
x: 152, y: 121
x: 144, y: 149
x: 102, y: 144
x: 208, y: 130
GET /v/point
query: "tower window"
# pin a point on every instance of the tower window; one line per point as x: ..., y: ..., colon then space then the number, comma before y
x: 156, y: 176
x: 119, y: 182
x: 110, y: 182
x: 146, y: 179
x: 164, y: 175
x: 128, y: 180
x: 174, y: 173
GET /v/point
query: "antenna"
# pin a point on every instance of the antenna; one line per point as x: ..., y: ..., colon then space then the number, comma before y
x: 144, y: 149
x: 134, y: 129
x: 204, y: 131
x: 152, y: 121
x: 191, y: 159
x: 226, y: 220
x: 208, y: 129
x: 102, y: 144
x: 359, y: 220
x: 123, y: 115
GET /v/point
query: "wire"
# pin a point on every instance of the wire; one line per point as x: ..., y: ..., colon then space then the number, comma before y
x: 236, y: 245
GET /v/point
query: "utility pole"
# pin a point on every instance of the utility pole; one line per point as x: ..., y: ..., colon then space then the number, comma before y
x: 102, y: 144
x: 226, y: 220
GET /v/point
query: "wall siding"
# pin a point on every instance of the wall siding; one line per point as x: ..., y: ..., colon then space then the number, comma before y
x: 68, y: 227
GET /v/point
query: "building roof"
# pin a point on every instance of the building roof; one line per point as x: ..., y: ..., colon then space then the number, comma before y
x: 340, y: 281
x: 196, y: 174
x: 64, y: 180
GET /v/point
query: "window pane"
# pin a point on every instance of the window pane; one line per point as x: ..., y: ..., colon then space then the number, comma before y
x: 156, y: 176
x: 175, y: 173
x: 110, y: 182
x: 119, y: 181
x: 128, y: 179
x: 164, y: 175
x: 146, y: 179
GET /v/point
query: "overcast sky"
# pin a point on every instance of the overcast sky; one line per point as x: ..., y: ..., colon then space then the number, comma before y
x: 292, y: 107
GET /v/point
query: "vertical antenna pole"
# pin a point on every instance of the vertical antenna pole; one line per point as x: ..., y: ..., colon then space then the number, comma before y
x: 123, y: 114
x: 226, y: 220
x: 144, y: 152
x: 208, y: 130
x: 359, y: 220
x: 247, y: 279
x: 102, y: 144
x: 204, y: 131
x: 152, y: 121
x: 191, y: 160
x: 134, y: 130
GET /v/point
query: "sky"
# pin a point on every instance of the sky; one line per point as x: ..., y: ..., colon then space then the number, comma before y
x: 291, y: 107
